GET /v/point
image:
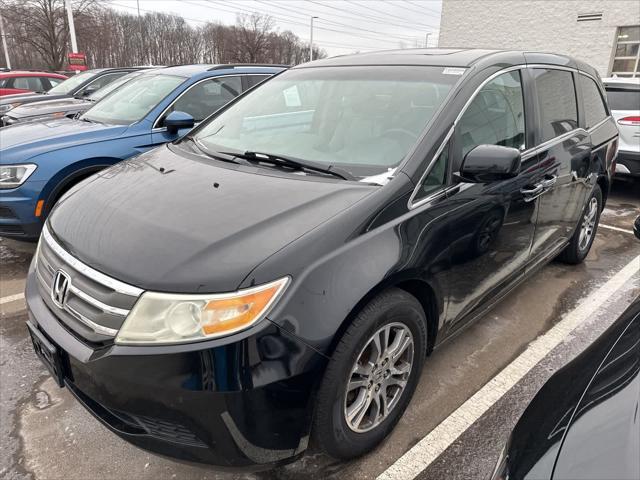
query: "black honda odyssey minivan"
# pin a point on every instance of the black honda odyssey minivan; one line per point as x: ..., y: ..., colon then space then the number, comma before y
x: 281, y: 273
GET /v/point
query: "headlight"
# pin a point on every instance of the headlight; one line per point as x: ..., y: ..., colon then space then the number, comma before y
x: 12, y: 176
x: 8, y: 106
x: 177, y: 318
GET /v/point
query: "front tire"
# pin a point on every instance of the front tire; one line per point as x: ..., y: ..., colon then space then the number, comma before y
x: 371, y: 376
x: 583, y: 237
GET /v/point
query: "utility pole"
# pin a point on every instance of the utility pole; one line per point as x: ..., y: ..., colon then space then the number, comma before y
x: 4, y: 44
x: 141, y: 35
x: 426, y: 40
x: 72, y: 27
x: 311, y: 41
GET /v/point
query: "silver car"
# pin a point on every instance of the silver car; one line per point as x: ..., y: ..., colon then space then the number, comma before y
x: 623, y: 95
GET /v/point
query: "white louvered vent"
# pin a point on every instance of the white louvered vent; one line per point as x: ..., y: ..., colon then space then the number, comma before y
x: 589, y: 17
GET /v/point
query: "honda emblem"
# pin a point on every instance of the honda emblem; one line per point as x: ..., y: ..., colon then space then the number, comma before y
x: 60, y: 288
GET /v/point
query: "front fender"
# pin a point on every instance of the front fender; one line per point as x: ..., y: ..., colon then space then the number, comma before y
x: 334, y: 274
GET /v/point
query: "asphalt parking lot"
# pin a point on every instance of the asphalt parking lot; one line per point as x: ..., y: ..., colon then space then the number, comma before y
x: 453, y: 429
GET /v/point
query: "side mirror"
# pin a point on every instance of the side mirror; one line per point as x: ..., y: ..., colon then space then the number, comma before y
x: 489, y: 163
x: 88, y: 91
x: 177, y: 120
x: 636, y: 227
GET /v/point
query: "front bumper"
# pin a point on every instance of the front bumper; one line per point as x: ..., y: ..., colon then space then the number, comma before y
x: 245, y: 404
x: 628, y: 163
x: 17, y: 212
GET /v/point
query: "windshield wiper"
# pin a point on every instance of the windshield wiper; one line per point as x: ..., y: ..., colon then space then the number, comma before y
x: 223, y: 157
x: 294, y: 163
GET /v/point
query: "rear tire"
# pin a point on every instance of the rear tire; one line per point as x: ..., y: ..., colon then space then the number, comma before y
x: 583, y: 237
x: 366, y: 388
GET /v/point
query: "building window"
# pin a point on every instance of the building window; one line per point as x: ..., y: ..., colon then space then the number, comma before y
x: 626, y: 56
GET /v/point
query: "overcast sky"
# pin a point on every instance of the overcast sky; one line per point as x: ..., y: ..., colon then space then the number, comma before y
x: 343, y: 26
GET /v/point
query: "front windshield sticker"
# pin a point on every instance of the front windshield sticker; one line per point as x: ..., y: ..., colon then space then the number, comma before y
x: 453, y: 71
x: 292, y: 97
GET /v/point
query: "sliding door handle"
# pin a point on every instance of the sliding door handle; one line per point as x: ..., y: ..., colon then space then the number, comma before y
x: 531, y: 193
x: 549, y: 181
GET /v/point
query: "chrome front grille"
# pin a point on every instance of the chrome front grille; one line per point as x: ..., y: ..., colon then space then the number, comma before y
x: 94, y: 305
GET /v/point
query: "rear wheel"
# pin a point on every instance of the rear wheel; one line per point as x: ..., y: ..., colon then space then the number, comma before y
x: 583, y: 237
x: 371, y: 376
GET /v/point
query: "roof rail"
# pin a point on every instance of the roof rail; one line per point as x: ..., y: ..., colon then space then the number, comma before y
x: 241, y: 65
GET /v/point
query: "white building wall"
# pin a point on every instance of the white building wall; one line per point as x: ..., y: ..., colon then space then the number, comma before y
x: 540, y: 25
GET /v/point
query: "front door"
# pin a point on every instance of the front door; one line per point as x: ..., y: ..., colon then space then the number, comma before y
x: 493, y: 228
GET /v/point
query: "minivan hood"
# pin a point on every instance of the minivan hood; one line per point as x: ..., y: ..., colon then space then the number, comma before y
x: 48, y: 107
x: 169, y: 223
x: 23, y: 141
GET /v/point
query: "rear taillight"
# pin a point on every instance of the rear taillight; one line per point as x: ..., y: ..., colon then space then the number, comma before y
x: 634, y: 120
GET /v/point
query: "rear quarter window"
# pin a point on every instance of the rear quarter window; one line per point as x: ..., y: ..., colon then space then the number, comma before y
x: 595, y: 109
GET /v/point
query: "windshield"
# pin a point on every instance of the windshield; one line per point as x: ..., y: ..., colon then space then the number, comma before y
x: 71, y: 83
x: 134, y: 100
x: 362, y: 119
x: 110, y: 87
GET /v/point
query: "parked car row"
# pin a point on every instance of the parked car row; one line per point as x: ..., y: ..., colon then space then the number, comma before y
x: 282, y: 271
x: 27, y: 81
x: 78, y: 86
x: 63, y: 107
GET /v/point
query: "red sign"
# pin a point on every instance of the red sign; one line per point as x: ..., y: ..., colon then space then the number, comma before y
x: 77, y: 61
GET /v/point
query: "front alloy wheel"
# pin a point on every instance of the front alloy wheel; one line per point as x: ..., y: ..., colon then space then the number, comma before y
x: 371, y: 376
x: 378, y: 377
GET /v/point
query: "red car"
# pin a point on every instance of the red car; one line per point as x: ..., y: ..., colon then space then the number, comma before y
x: 17, y: 81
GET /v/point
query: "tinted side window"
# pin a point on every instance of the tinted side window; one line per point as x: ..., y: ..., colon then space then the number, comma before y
x: 437, y: 176
x: 253, y: 80
x: 556, y: 102
x: 28, y: 83
x: 54, y: 81
x: 495, y: 116
x: 594, y: 108
x: 206, y: 97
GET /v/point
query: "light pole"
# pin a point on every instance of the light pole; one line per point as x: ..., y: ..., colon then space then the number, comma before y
x: 4, y: 44
x: 426, y: 40
x: 311, y: 41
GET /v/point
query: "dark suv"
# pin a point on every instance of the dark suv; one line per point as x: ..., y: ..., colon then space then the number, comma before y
x: 283, y: 270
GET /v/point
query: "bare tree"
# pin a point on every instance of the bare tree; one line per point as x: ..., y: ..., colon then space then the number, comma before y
x: 38, y: 37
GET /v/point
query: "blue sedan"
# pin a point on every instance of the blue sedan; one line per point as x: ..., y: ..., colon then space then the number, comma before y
x: 40, y: 161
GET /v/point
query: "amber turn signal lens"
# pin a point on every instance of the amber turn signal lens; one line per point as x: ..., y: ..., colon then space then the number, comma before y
x: 39, y: 206
x: 234, y: 313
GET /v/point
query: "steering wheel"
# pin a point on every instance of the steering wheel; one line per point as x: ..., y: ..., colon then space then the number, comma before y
x: 397, y: 133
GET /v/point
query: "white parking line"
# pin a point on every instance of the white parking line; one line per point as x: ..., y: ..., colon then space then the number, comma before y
x: 436, y: 442
x: 617, y: 229
x: 11, y: 298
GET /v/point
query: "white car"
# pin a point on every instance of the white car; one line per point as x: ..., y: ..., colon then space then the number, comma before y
x: 623, y: 96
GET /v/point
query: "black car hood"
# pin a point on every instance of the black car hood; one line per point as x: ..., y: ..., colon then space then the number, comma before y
x: 571, y: 424
x: 170, y: 223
